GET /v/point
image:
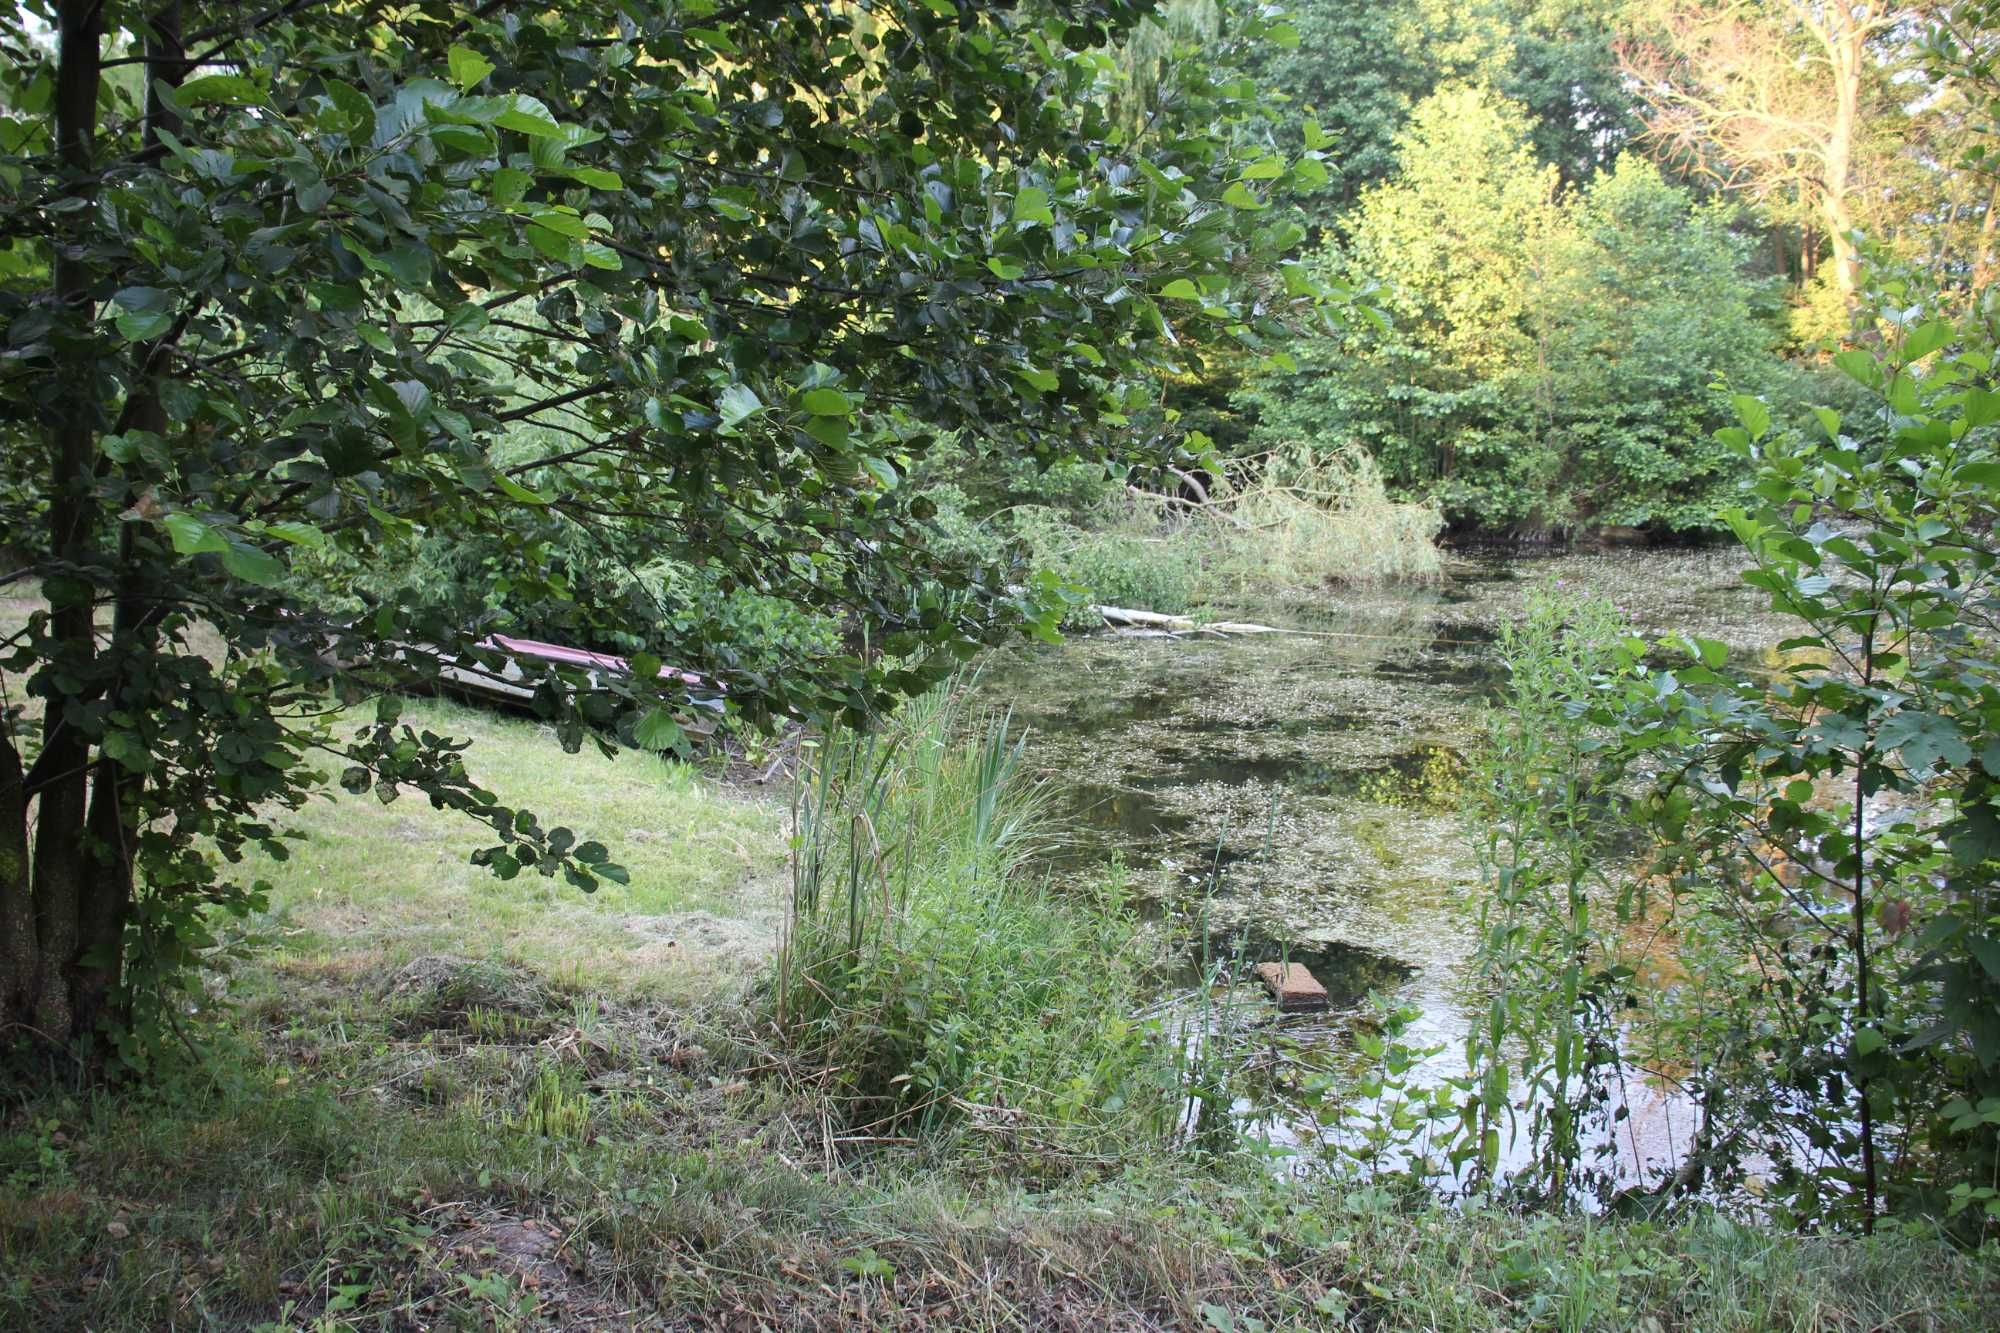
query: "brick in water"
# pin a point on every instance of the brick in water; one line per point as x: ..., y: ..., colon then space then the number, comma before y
x: 1292, y: 986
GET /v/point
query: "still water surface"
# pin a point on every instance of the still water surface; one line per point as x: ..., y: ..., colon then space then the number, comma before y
x: 1298, y: 793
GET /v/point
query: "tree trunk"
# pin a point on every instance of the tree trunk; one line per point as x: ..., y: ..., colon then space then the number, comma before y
x: 18, y: 951
x: 60, y: 785
x: 63, y: 912
x: 1846, y: 49
x: 1982, y: 258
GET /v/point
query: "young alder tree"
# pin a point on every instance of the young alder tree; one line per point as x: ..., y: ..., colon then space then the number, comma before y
x: 281, y: 281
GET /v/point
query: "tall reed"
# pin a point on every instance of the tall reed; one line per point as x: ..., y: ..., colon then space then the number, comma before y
x: 930, y: 974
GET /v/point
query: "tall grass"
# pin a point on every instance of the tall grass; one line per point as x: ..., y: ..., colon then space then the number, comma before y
x: 929, y: 977
x: 1306, y: 518
x: 1293, y: 520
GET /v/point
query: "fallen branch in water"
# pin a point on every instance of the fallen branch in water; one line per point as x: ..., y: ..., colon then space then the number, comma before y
x: 1126, y: 620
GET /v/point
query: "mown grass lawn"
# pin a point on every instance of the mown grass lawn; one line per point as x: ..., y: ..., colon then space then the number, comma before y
x: 393, y: 882
x: 437, y: 1100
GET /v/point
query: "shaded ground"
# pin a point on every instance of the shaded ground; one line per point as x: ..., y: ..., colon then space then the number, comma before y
x: 470, y: 1144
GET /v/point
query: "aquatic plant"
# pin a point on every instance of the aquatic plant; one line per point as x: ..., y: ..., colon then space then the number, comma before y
x: 1550, y: 918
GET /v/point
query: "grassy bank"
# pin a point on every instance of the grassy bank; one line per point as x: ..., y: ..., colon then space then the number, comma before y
x: 446, y: 1102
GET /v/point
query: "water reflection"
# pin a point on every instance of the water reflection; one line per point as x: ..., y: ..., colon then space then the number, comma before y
x: 1299, y: 795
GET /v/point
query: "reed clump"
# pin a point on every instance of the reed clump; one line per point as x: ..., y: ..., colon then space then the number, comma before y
x: 931, y: 976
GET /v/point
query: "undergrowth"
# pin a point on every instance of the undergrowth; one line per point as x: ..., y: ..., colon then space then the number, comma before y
x: 355, y: 1154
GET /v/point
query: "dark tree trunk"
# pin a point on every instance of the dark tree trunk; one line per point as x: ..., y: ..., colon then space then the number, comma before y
x: 18, y: 952
x: 61, y: 789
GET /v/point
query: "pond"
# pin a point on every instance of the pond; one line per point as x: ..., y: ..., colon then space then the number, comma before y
x: 1298, y: 795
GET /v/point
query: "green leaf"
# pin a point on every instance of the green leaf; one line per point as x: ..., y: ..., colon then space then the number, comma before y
x: 139, y: 299
x: 1031, y: 205
x: 471, y: 317
x: 1005, y: 268
x: 467, y: 67
x: 140, y: 325
x: 829, y: 431
x: 1860, y: 367
x: 825, y: 402
x: 253, y: 565
x: 657, y: 730
x: 1316, y: 138
x: 219, y: 89
x: 509, y: 186
x: 516, y: 491
x: 1309, y: 174
x: 1181, y: 290
x: 298, y: 534
x: 562, y: 221
x: 1265, y: 169
x: 737, y: 404
x: 1982, y: 407
x: 516, y: 111
x: 597, y: 178
x: 1925, y: 339
x: 356, y: 111
x: 192, y: 536
x: 1756, y: 417
x: 1045, y: 381
x: 1238, y: 195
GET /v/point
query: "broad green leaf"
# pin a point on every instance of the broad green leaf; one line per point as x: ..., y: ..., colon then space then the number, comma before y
x: 1982, y: 407
x: 1005, y: 268
x: 657, y: 730
x: 219, y: 89
x: 253, y: 565
x: 561, y: 221
x: 140, y: 325
x: 826, y: 402
x: 1046, y: 381
x: 1238, y: 195
x: 470, y: 317
x: 516, y: 491
x: 298, y: 534
x: 1180, y: 289
x: 1860, y: 366
x: 737, y: 404
x: 1031, y: 205
x: 467, y: 67
x: 192, y: 536
x: 1750, y: 410
x: 1309, y: 174
x: 829, y: 431
x: 1925, y: 339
